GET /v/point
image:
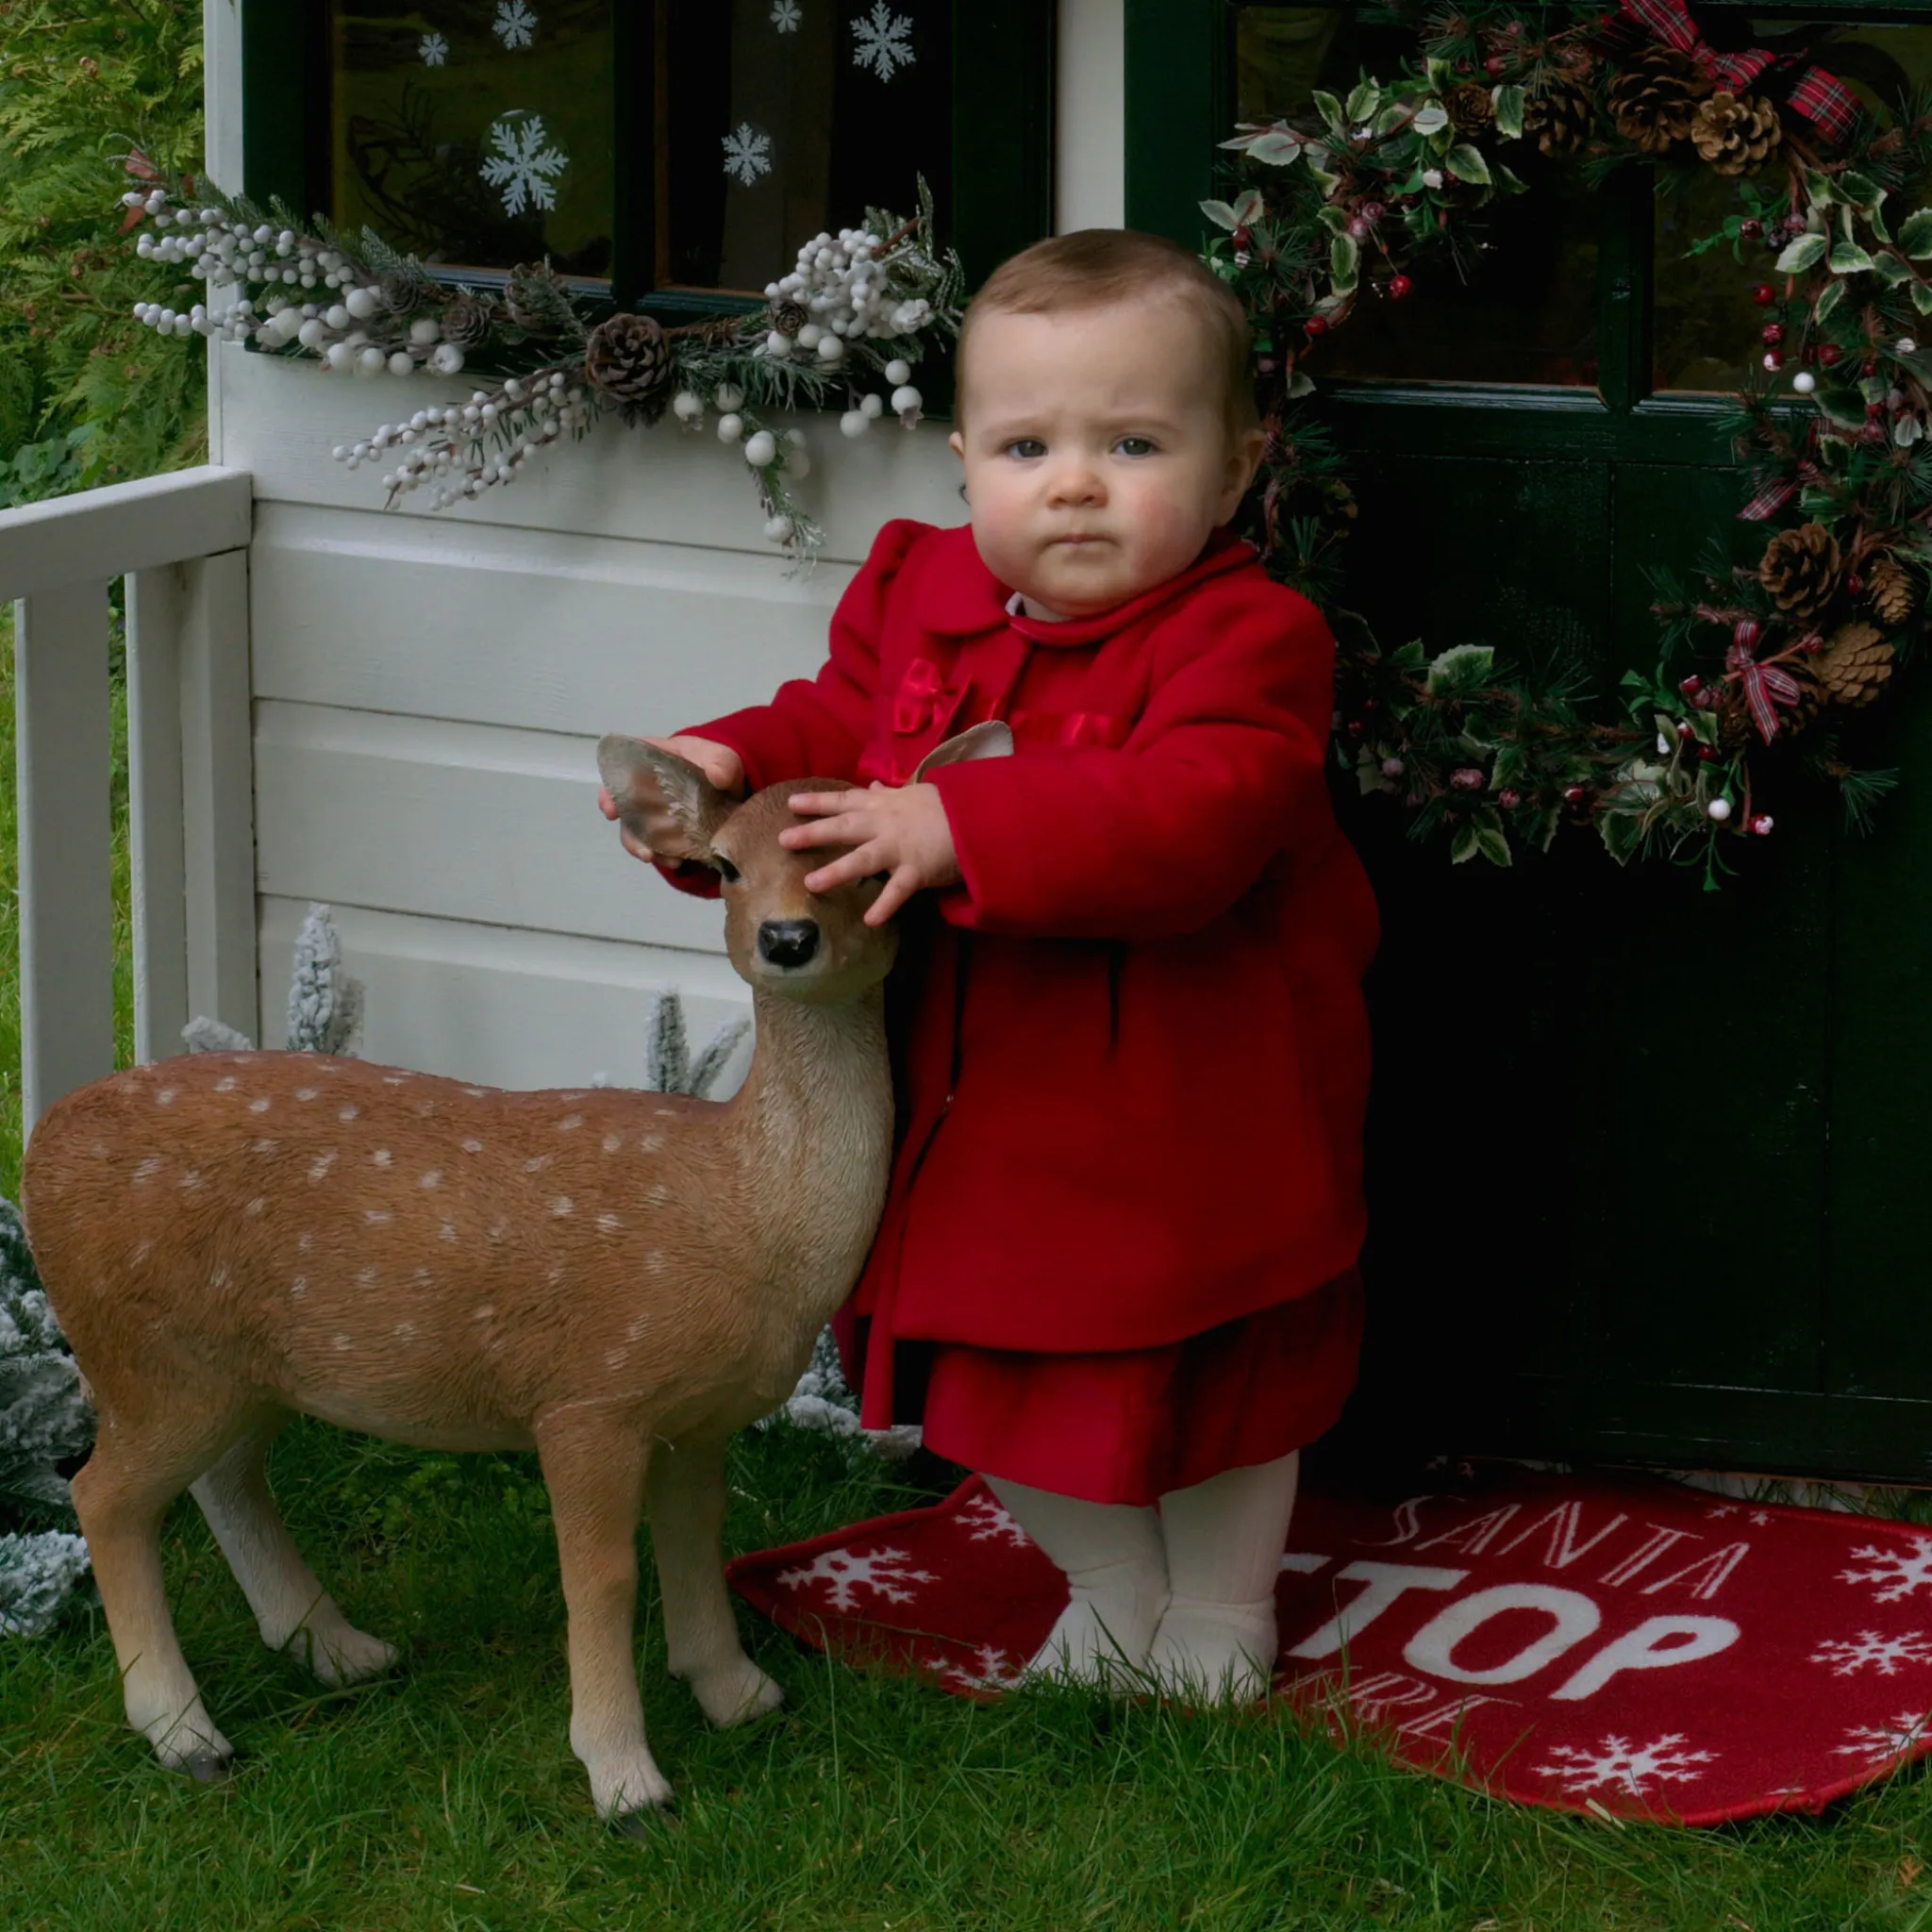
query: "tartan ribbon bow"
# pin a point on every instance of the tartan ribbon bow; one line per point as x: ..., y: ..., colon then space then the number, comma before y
x: 1809, y: 91
x: 1776, y: 493
x: 1765, y: 686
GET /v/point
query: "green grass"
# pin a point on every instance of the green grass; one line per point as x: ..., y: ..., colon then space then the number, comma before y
x: 446, y: 1799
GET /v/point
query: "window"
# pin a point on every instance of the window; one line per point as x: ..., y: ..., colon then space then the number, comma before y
x: 676, y: 154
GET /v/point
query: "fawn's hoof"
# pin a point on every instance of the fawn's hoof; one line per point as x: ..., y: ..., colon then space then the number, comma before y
x: 208, y: 1766
x: 646, y: 1823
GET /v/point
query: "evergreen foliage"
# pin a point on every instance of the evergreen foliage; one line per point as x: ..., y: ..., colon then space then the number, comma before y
x: 87, y: 394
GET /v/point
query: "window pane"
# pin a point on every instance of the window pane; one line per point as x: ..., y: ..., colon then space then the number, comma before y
x: 778, y: 118
x: 1707, y: 323
x: 1520, y: 308
x: 476, y: 133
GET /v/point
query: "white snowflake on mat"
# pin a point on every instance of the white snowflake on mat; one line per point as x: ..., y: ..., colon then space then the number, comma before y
x: 515, y: 25
x: 1848, y: 1656
x: 786, y: 16
x: 1880, y: 1743
x: 988, y: 1522
x: 1901, y: 1572
x: 1626, y: 1767
x: 991, y: 1669
x: 882, y: 41
x: 523, y: 166
x: 434, y: 50
x: 844, y: 1575
x: 747, y: 153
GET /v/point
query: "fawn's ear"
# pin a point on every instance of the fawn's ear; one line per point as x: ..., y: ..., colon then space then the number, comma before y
x: 993, y: 740
x: 639, y: 775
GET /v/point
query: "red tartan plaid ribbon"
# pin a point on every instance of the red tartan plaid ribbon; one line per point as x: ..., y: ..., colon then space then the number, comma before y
x: 1775, y: 495
x: 1809, y: 91
x: 1766, y: 686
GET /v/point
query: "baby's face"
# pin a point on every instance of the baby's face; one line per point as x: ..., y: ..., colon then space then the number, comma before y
x: 1097, y: 452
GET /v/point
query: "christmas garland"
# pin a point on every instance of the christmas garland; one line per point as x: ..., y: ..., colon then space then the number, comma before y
x: 1755, y: 664
x: 851, y: 319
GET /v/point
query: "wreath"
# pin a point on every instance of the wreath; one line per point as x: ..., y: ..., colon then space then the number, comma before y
x: 1759, y: 666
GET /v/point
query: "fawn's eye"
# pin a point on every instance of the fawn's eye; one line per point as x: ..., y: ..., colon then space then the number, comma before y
x: 726, y: 871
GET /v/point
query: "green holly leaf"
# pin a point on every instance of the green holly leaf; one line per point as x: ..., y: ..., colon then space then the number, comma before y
x: 1430, y: 118
x: 1363, y: 102
x: 1848, y: 259
x: 1330, y: 110
x: 1278, y: 147
x: 1922, y: 297
x: 1466, y: 845
x: 1391, y: 117
x: 1411, y: 657
x: 1834, y: 295
x: 1300, y: 384
x: 1807, y: 251
x: 1334, y: 219
x: 1509, y: 103
x: 1345, y: 259
x: 1491, y: 838
x: 1466, y: 164
x: 1859, y: 190
x: 1461, y: 670
x: 1622, y: 833
x: 1891, y: 270
x: 1915, y: 234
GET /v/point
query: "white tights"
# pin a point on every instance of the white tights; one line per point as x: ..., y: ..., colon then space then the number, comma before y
x: 1184, y: 1595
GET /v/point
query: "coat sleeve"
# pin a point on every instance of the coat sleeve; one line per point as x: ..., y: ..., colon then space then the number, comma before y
x: 1222, y: 772
x: 816, y: 728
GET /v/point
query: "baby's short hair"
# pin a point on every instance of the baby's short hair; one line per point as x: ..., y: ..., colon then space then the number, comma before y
x: 1093, y: 267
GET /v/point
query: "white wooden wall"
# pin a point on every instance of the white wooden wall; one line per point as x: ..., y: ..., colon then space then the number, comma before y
x: 428, y: 688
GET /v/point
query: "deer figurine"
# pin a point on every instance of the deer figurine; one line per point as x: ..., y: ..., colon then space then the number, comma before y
x: 618, y: 1279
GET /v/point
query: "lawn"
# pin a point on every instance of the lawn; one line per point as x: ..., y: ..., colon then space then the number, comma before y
x: 446, y: 1797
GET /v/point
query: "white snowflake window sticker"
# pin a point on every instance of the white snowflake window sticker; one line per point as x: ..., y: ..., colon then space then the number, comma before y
x: 843, y: 1574
x: 787, y: 15
x: 524, y: 167
x: 747, y: 154
x: 882, y: 41
x: 1895, y: 1573
x: 1619, y: 1764
x: 515, y: 25
x: 1848, y: 1656
x: 434, y: 50
x: 1881, y: 1743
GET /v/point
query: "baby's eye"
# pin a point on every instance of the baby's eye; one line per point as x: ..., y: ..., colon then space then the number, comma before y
x: 1027, y: 446
x: 1135, y: 445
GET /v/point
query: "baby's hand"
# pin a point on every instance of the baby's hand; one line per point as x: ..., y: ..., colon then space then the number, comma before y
x: 905, y: 834
x: 718, y: 763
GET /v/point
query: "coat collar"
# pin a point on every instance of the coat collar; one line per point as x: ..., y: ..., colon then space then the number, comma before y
x: 959, y: 597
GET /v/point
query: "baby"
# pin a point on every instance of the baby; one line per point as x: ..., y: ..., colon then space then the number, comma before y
x: 1116, y: 1268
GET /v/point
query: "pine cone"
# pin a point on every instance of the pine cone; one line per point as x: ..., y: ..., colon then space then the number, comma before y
x: 1655, y: 98
x: 538, y: 301
x: 402, y: 290
x: 1894, y: 594
x: 1801, y: 570
x: 1855, y: 665
x: 788, y: 318
x: 1560, y: 118
x: 1469, y: 107
x: 1735, y: 135
x: 628, y: 358
x: 466, y: 321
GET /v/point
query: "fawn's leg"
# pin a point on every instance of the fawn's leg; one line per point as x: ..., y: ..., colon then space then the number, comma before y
x: 293, y: 1608
x: 595, y: 1472
x: 140, y: 1464
x: 686, y: 1507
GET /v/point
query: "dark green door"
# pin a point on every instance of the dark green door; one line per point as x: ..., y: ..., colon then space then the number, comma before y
x: 1646, y: 1161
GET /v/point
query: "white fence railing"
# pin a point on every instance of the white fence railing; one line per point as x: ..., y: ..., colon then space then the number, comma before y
x: 181, y: 544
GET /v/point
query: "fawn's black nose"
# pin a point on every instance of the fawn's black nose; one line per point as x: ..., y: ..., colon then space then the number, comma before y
x: 788, y: 941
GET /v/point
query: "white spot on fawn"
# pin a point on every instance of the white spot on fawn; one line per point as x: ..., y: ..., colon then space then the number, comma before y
x: 258, y: 1205
x: 192, y: 1178
x: 575, y: 1093
x: 448, y: 1231
x: 348, y: 1113
x: 432, y: 1180
x: 638, y: 1326
x: 541, y: 1161
x: 365, y: 1275
x: 298, y: 1287
x: 612, y: 1142
x: 381, y: 1156
x: 658, y: 1195
x: 263, y: 1146
x: 395, y: 1079
x: 499, y: 1230
x: 226, y: 1084
x: 148, y: 1169
x: 219, y: 1279
x: 319, y: 1167
x: 305, y: 1243
x: 405, y: 1331
x: 260, y: 1106
x: 342, y: 1341
x: 609, y: 1222
x: 665, y: 1113
x: 650, y: 1143
x: 568, y: 1122
x: 476, y: 1092
x: 165, y: 1098
x: 484, y: 1313
x: 306, y: 1092
x: 472, y: 1146
x: 376, y: 1217
x: 143, y: 1250
x: 654, y: 1262
x: 616, y: 1358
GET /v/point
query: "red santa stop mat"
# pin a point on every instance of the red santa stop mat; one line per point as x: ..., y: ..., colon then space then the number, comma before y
x: 1607, y: 1645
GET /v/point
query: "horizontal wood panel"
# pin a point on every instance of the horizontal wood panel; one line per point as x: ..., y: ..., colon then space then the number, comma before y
x: 501, y: 1007
x: 281, y: 419
x: 457, y: 820
x: 523, y: 627
x: 122, y: 527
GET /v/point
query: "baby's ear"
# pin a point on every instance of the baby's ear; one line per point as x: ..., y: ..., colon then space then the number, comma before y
x: 993, y: 740
x: 643, y: 779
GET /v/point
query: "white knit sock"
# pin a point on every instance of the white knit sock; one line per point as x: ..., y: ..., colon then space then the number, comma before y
x: 1116, y: 1581
x: 1224, y: 1539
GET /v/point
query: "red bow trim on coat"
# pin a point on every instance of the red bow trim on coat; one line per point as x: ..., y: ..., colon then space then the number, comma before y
x: 924, y: 699
x: 1072, y: 729
x: 1766, y: 686
x: 1809, y: 91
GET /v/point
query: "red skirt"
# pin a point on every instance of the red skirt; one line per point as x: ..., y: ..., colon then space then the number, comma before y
x: 1129, y: 1427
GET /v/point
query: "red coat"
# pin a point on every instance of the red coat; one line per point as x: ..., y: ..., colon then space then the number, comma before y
x: 1134, y: 1079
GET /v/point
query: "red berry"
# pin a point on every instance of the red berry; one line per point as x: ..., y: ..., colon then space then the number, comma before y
x: 1576, y: 794
x: 1399, y: 287
x: 1510, y: 798
x: 1830, y: 354
x: 1244, y: 235
x: 1686, y: 730
x: 1774, y: 360
x: 1706, y: 755
x: 1750, y: 228
x: 1874, y: 411
x: 1772, y: 332
x: 1760, y: 825
x: 1371, y: 212
x: 1495, y: 64
x: 1360, y: 227
x: 1854, y: 584
x: 1691, y: 685
x: 1764, y: 295
x: 1316, y: 325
